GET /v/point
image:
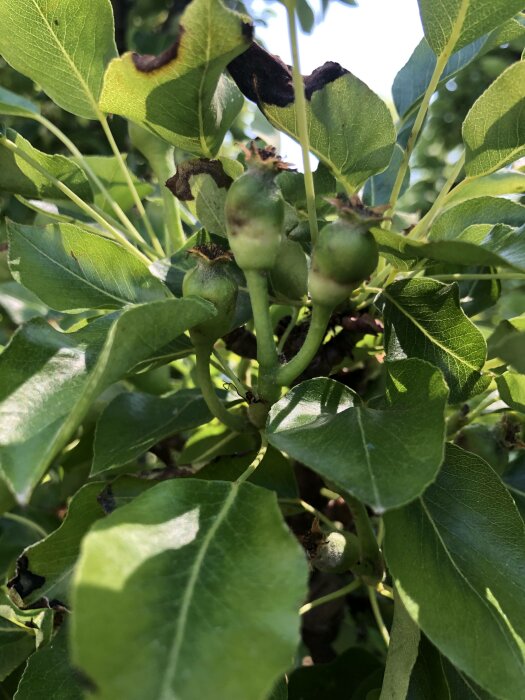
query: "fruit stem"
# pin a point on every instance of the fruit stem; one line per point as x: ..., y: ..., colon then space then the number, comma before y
x: 202, y: 356
x: 377, y: 615
x: 370, y: 565
x: 302, y: 123
x: 316, y: 332
x: 345, y: 590
x: 266, y: 348
x: 133, y: 190
x: 441, y: 62
x: 256, y: 461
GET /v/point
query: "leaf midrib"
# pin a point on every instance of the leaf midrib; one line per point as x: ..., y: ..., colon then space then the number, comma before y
x: 463, y: 577
x: 430, y: 337
x: 67, y: 270
x: 68, y: 59
x: 166, y: 691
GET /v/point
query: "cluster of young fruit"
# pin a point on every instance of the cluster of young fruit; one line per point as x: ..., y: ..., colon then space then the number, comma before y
x: 344, y: 254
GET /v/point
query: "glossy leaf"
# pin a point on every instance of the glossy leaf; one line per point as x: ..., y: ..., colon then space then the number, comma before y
x: 19, y: 177
x: 505, y: 182
x: 49, y: 673
x: 481, y: 210
x: 423, y: 318
x: 466, y: 592
x: 197, y: 554
x: 48, y: 564
x: 482, y: 245
x: 322, y: 424
x: 353, y: 148
x: 71, y: 269
x: 451, y: 24
x: 41, y: 40
x: 182, y: 95
x: 494, y: 129
x: 511, y: 387
x: 14, y: 105
x: 49, y: 379
x: 413, y: 79
x: 133, y: 422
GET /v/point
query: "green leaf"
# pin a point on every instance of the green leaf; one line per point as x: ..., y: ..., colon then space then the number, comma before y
x: 512, y: 350
x: 481, y: 210
x: 15, y: 646
x: 379, y: 188
x: 62, y: 46
x: 494, y: 128
x: 482, y: 245
x: 434, y: 677
x: 451, y: 24
x: 19, y: 303
x: 214, y: 569
x: 322, y: 424
x: 457, y: 557
x: 182, y: 95
x: 511, y: 387
x: 423, y: 318
x: 411, y: 82
x: 14, y: 105
x: 49, y: 673
x: 354, y: 148
x: 48, y: 564
x: 506, y: 182
x: 133, y: 422
x: 18, y: 177
x: 274, y: 473
x: 49, y: 379
x: 109, y: 172
x: 71, y: 269
x: 338, y: 680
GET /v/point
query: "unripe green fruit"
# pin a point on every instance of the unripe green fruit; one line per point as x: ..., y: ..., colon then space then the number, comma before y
x: 481, y: 440
x: 338, y: 552
x: 254, y: 219
x: 289, y: 275
x: 211, y: 280
x: 325, y: 291
x: 346, y: 251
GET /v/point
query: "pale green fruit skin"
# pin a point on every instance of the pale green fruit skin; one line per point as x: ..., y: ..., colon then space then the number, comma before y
x: 289, y: 275
x: 325, y: 291
x: 345, y: 252
x: 212, y: 281
x: 254, y: 213
x: 337, y: 553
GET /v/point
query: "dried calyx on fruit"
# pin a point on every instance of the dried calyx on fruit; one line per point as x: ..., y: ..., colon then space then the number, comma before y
x: 212, y: 280
x: 336, y: 553
x: 255, y: 211
x: 345, y: 253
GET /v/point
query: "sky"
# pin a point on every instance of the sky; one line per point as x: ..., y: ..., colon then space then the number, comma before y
x: 373, y: 41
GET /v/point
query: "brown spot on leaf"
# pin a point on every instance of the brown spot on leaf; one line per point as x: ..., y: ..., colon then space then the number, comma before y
x: 179, y: 184
x: 266, y: 79
x: 24, y: 582
x: 149, y: 63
